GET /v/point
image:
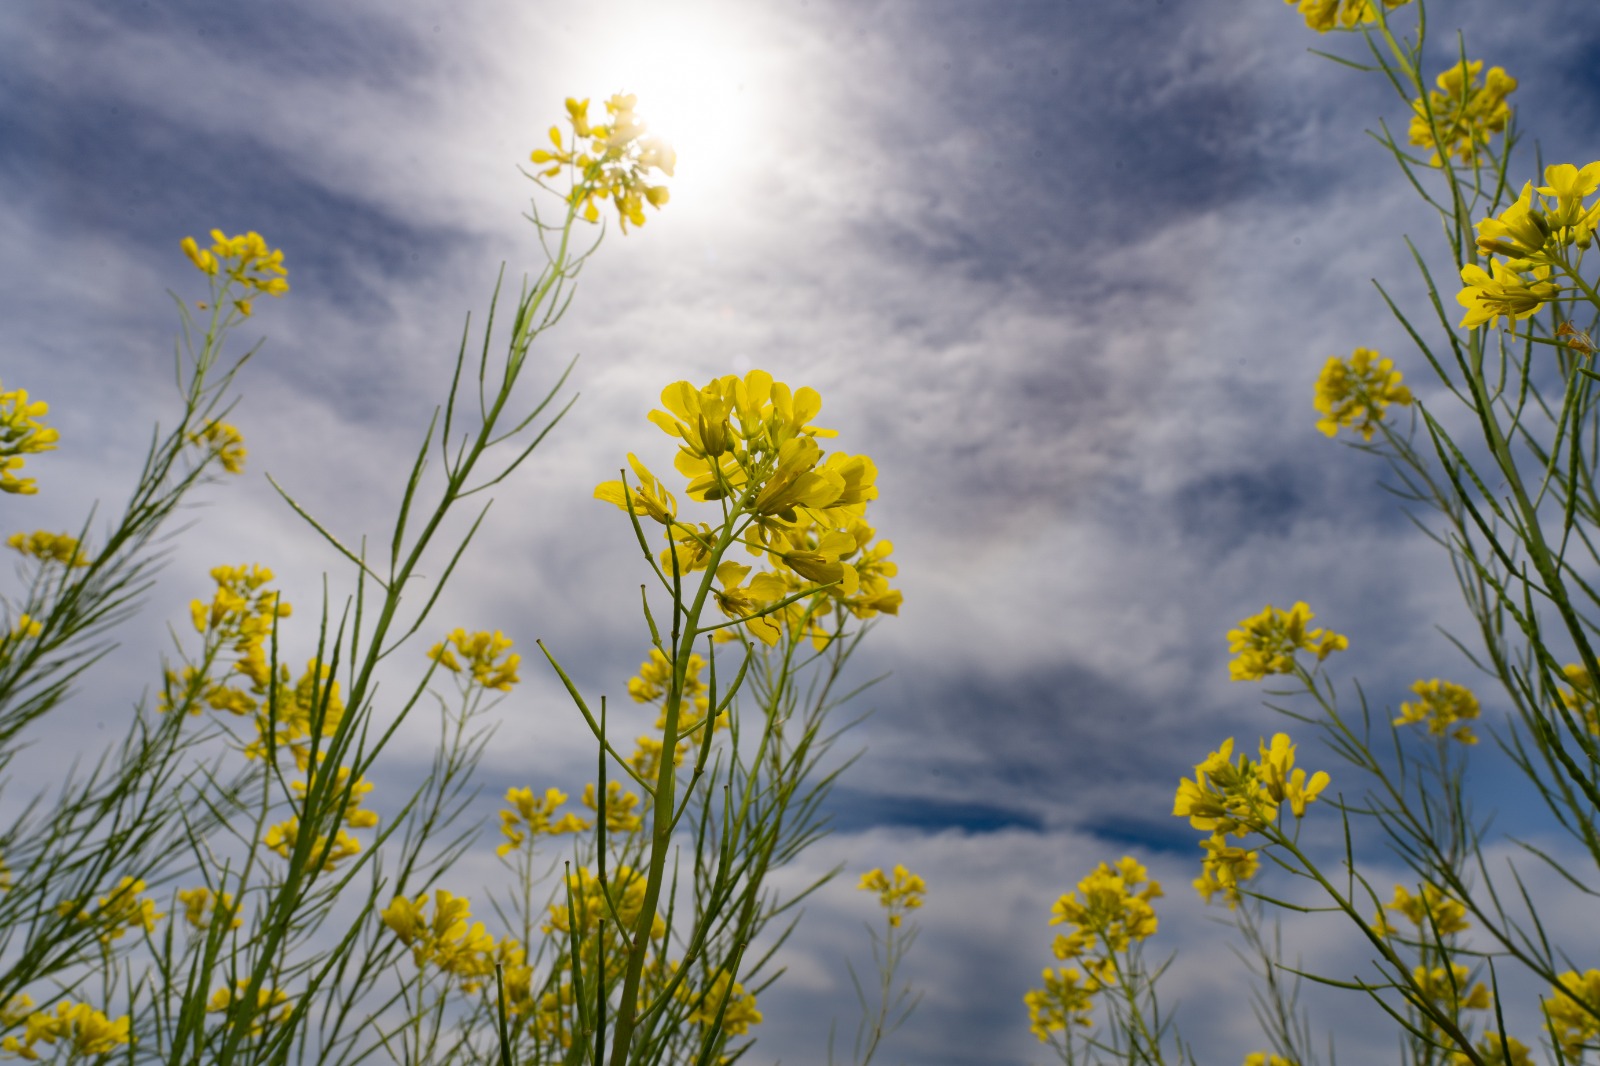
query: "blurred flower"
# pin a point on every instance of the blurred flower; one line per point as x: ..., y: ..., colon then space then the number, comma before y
x: 1442, y: 706
x: 898, y: 892
x: 1464, y: 113
x: 1266, y: 643
x: 1355, y: 392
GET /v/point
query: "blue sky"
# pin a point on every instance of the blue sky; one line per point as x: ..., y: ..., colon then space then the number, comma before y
x: 1067, y: 271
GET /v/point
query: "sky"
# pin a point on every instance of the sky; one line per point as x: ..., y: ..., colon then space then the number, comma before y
x: 1066, y: 271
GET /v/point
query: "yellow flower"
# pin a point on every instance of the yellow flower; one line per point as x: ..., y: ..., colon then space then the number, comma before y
x: 1224, y: 868
x: 1266, y: 643
x: 1432, y: 912
x: 272, y: 1005
x: 50, y: 548
x: 1581, y: 700
x: 200, y: 906
x: 1502, y: 293
x: 22, y: 434
x: 620, y: 807
x: 736, y: 1006
x: 1325, y: 15
x: 1262, y: 1058
x: 1064, y: 1000
x: 646, y: 498
x: 1115, y: 911
x: 483, y: 651
x: 623, y: 154
x: 898, y: 892
x: 1496, y: 1052
x: 1570, y: 1012
x: 1442, y: 706
x: 1284, y: 783
x: 1355, y: 392
x: 223, y: 442
x: 89, y: 1031
x: 124, y: 908
x: 283, y: 837
x: 1465, y: 114
x: 530, y: 815
x: 1451, y: 990
x: 245, y: 259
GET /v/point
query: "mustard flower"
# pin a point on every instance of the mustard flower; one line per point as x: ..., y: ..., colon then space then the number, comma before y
x: 1581, y: 699
x: 1065, y: 1000
x: 1572, y: 1012
x: 22, y: 434
x: 245, y: 260
x: 1240, y: 797
x: 1115, y: 911
x: 224, y: 443
x: 27, y: 627
x: 1501, y: 292
x: 483, y: 651
x: 1264, y: 1058
x: 739, y: 1013
x: 200, y: 906
x: 622, y: 156
x: 621, y: 807
x: 1355, y: 392
x: 87, y: 1030
x: 1432, y: 911
x: 1325, y: 15
x: 1443, y: 706
x: 898, y: 892
x: 1266, y: 643
x: 1452, y: 990
x: 655, y: 677
x: 285, y: 836
x: 624, y: 888
x: 1465, y: 113
x: 1493, y: 1051
x: 1224, y: 868
x: 122, y: 909
x: 646, y: 498
x: 272, y: 1005
x: 50, y: 547
x: 531, y: 815
x: 355, y: 816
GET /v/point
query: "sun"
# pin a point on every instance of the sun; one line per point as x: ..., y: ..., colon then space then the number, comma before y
x: 694, y: 88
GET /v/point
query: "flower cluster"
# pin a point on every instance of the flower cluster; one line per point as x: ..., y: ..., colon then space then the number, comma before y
x: 122, y: 909
x: 1443, y: 706
x: 1266, y: 643
x: 619, y: 155
x: 1451, y: 988
x: 1434, y: 913
x: 1532, y: 239
x: 1572, y: 1010
x: 1264, y: 1058
x: 1325, y: 15
x: 1066, y: 999
x: 725, y: 997
x: 446, y: 940
x: 1239, y: 798
x: 239, y: 619
x: 1464, y: 113
x: 224, y: 442
x: 1355, y: 392
x: 50, y: 547
x: 200, y: 907
x: 244, y: 260
x: 748, y: 444
x: 22, y: 434
x: 88, y: 1031
x: 1113, y: 915
x: 530, y: 815
x: 653, y: 684
x: 1580, y: 699
x: 486, y: 658
x: 898, y: 892
x: 619, y: 899
x: 272, y: 1005
x: 1495, y: 1051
